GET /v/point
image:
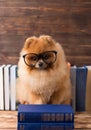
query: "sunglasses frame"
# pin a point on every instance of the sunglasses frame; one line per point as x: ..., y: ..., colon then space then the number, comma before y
x: 40, y: 56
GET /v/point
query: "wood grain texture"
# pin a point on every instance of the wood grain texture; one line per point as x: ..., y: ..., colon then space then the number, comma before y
x: 67, y: 21
x: 83, y: 120
x: 8, y: 120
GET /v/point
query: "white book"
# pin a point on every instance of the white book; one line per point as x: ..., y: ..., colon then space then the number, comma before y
x: 2, y: 87
x: 12, y: 87
x: 7, y: 86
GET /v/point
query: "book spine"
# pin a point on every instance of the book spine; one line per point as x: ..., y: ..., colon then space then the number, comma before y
x: 2, y: 87
x: 45, y: 126
x: 12, y: 87
x: 7, y: 86
x: 88, y: 89
x: 81, y: 78
x: 25, y: 117
x: 73, y: 83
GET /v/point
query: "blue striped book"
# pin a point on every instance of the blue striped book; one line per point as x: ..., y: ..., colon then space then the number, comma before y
x: 81, y: 78
x: 45, y: 126
x: 45, y: 114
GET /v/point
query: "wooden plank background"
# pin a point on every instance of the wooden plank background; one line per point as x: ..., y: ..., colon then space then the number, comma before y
x: 68, y: 21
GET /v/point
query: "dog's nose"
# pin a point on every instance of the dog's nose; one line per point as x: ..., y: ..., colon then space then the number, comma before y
x: 40, y: 64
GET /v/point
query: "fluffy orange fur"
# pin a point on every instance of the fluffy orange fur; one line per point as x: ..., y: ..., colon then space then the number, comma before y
x: 43, y: 86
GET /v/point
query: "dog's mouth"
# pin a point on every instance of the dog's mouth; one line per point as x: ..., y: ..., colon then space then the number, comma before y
x: 40, y: 65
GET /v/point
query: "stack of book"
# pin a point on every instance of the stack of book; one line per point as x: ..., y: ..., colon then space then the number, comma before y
x: 45, y: 117
x: 81, y: 87
x: 8, y: 74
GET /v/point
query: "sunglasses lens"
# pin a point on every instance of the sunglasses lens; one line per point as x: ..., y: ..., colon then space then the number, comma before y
x: 49, y: 57
x: 31, y: 59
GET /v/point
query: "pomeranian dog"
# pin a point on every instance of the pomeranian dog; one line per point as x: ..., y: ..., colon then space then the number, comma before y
x: 44, y: 75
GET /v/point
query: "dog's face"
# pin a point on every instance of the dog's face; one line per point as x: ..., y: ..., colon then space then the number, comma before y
x: 42, y: 60
x: 41, y: 53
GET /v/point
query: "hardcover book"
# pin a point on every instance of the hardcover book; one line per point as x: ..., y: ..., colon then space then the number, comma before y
x: 88, y: 89
x: 81, y: 78
x: 13, y: 87
x: 2, y: 87
x: 73, y: 83
x: 7, y: 86
x: 45, y: 126
x: 45, y: 114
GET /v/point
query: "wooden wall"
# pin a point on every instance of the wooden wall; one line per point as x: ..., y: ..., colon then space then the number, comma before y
x: 68, y: 21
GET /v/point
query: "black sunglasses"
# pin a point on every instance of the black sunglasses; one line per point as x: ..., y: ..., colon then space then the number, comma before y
x: 49, y: 57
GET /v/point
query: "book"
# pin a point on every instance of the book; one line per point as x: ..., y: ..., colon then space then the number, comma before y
x: 81, y: 77
x: 45, y: 126
x: 73, y: 83
x: 7, y: 86
x: 45, y: 113
x: 2, y: 87
x: 88, y: 89
x: 12, y: 87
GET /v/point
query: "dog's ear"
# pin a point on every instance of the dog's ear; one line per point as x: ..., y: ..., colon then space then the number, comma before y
x: 48, y: 38
x: 29, y: 41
